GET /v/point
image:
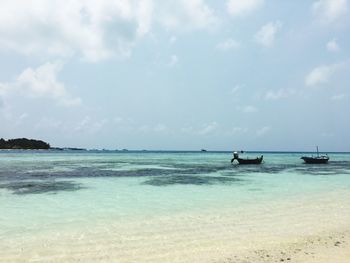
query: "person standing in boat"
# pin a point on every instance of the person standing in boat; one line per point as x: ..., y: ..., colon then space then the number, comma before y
x: 236, y: 155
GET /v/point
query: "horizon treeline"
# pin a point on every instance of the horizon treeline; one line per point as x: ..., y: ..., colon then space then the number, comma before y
x: 23, y: 143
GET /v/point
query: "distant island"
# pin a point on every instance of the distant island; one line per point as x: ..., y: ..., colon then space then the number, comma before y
x: 23, y: 143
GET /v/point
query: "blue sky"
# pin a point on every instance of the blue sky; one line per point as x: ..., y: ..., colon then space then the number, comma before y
x: 182, y: 75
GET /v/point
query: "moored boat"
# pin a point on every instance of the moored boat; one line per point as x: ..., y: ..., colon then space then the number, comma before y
x: 257, y: 160
x: 315, y: 160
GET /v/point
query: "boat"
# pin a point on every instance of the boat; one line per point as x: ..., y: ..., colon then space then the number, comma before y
x: 257, y: 160
x: 315, y: 160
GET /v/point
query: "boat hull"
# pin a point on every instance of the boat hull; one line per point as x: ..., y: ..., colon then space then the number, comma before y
x: 315, y: 160
x: 257, y: 160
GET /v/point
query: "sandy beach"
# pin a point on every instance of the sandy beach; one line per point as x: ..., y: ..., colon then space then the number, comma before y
x: 323, y: 248
x: 328, y: 247
x: 313, y: 229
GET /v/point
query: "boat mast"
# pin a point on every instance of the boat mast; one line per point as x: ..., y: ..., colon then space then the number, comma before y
x: 317, y: 151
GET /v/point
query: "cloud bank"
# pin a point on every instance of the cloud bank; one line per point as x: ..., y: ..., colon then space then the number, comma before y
x: 93, y: 30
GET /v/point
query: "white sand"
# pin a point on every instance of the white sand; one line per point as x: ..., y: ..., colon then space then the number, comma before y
x: 313, y: 229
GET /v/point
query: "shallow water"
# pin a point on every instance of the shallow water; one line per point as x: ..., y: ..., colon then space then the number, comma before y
x: 115, y: 201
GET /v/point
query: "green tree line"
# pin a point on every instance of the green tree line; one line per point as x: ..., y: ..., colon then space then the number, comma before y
x: 23, y: 143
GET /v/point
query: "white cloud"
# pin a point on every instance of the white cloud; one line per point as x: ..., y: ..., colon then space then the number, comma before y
x: 319, y: 75
x: 186, y: 15
x: 15, y: 119
x: 339, y: 97
x: 262, y: 131
x: 279, y: 94
x: 267, y: 34
x: 333, y: 46
x: 322, y: 74
x: 173, y: 60
x: 209, y: 128
x: 2, y: 103
x: 249, y: 109
x: 88, y: 125
x: 228, y: 44
x: 4, y: 89
x: 243, y: 7
x: 118, y: 120
x: 157, y: 128
x: 93, y: 30
x: 206, y: 129
x: 172, y: 39
x: 144, y: 12
x: 330, y: 11
x: 82, y: 124
x: 237, y: 130
x: 160, y: 127
x: 187, y: 130
x: 200, y: 14
x: 41, y: 82
x: 327, y: 134
x: 49, y: 123
x: 235, y: 89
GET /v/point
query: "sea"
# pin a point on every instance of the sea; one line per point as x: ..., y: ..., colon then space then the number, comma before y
x: 149, y: 206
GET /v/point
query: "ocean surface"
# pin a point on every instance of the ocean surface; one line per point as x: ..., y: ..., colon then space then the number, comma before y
x: 162, y: 206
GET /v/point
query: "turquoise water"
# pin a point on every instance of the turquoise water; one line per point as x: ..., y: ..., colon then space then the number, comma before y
x: 54, y: 192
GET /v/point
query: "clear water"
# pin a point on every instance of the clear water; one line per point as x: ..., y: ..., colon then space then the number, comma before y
x: 43, y: 194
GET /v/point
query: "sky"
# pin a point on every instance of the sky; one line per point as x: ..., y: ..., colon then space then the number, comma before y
x: 177, y: 75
